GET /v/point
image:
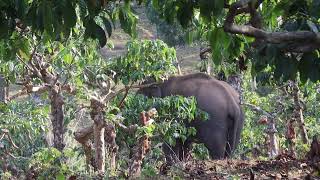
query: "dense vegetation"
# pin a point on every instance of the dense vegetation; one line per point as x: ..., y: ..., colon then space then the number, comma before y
x: 71, y: 113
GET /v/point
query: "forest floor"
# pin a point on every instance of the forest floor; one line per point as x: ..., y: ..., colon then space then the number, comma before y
x: 281, y: 167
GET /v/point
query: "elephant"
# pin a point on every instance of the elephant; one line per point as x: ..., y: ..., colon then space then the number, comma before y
x: 221, y: 132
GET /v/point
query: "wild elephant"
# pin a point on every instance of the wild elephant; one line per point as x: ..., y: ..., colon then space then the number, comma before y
x: 221, y: 132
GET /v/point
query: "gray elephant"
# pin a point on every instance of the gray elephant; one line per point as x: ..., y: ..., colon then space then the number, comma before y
x: 221, y: 132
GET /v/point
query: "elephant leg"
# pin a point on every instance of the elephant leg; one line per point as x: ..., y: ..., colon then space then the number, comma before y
x: 214, y: 138
x: 179, y: 152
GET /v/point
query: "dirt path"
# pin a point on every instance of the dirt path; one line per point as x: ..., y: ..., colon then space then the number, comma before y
x: 187, y: 56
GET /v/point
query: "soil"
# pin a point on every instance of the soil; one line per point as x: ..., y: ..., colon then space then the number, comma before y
x: 282, y: 167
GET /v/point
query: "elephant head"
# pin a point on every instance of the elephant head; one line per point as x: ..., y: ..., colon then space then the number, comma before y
x: 153, y: 90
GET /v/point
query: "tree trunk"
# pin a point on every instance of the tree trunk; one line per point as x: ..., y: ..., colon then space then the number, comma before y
x: 254, y: 83
x: 273, y: 140
x: 57, y: 117
x: 110, y: 138
x: 83, y: 137
x: 205, y: 62
x: 298, y: 113
x: 3, y: 89
x: 291, y: 136
x: 140, y: 150
x: 236, y: 82
x: 97, y: 115
x: 98, y: 132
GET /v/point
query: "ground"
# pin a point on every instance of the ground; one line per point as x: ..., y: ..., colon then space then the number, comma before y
x: 282, y: 167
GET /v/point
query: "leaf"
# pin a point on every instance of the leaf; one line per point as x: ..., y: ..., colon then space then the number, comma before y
x: 315, y: 9
x: 107, y: 25
x: 67, y: 58
x: 21, y: 7
x: 48, y: 17
x: 4, y: 27
x: 60, y: 176
x: 128, y: 21
x: 94, y: 31
x: 209, y: 8
x: 185, y: 13
x: 312, y: 26
x: 219, y: 42
x: 286, y: 68
x: 309, y: 66
x: 69, y: 15
x: 206, y: 8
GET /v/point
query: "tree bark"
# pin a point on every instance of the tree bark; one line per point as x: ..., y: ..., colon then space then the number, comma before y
x: 236, y: 82
x: 298, y: 113
x: 273, y: 145
x: 57, y: 117
x: 205, y: 61
x: 83, y: 137
x: 110, y: 139
x: 140, y: 150
x: 3, y: 89
x: 142, y: 147
x: 291, y: 136
x: 97, y: 115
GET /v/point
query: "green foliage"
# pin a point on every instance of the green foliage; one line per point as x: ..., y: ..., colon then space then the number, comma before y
x: 57, y: 20
x: 27, y: 125
x: 144, y: 59
x: 173, y: 113
x: 49, y: 162
x: 206, y: 19
x: 281, y: 105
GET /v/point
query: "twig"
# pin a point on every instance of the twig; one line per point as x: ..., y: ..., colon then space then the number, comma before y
x: 259, y: 109
x: 26, y: 91
x: 133, y: 87
x: 125, y: 95
x: 6, y: 132
x: 23, y: 62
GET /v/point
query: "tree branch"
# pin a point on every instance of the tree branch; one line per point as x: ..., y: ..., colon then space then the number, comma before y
x: 299, y: 41
x: 259, y: 110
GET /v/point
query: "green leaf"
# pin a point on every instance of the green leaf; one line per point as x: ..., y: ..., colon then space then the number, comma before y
x: 67, y: 58
x: 209, y: 8
x: 309, y: 67
x: 206, y: 9
x: 315, y: 9
x: 128, y: 21
x: 94, y: 31
x: 107, y: 25
x: 69, y: 15
x: 48, y: 17
x: 219, y: 42
x: 60, y: 176
x: 185, y: 13
x: 286, y: 68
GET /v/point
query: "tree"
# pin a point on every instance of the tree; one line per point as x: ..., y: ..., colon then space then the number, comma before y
x: 36, y: 40
x: 238, y: 27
